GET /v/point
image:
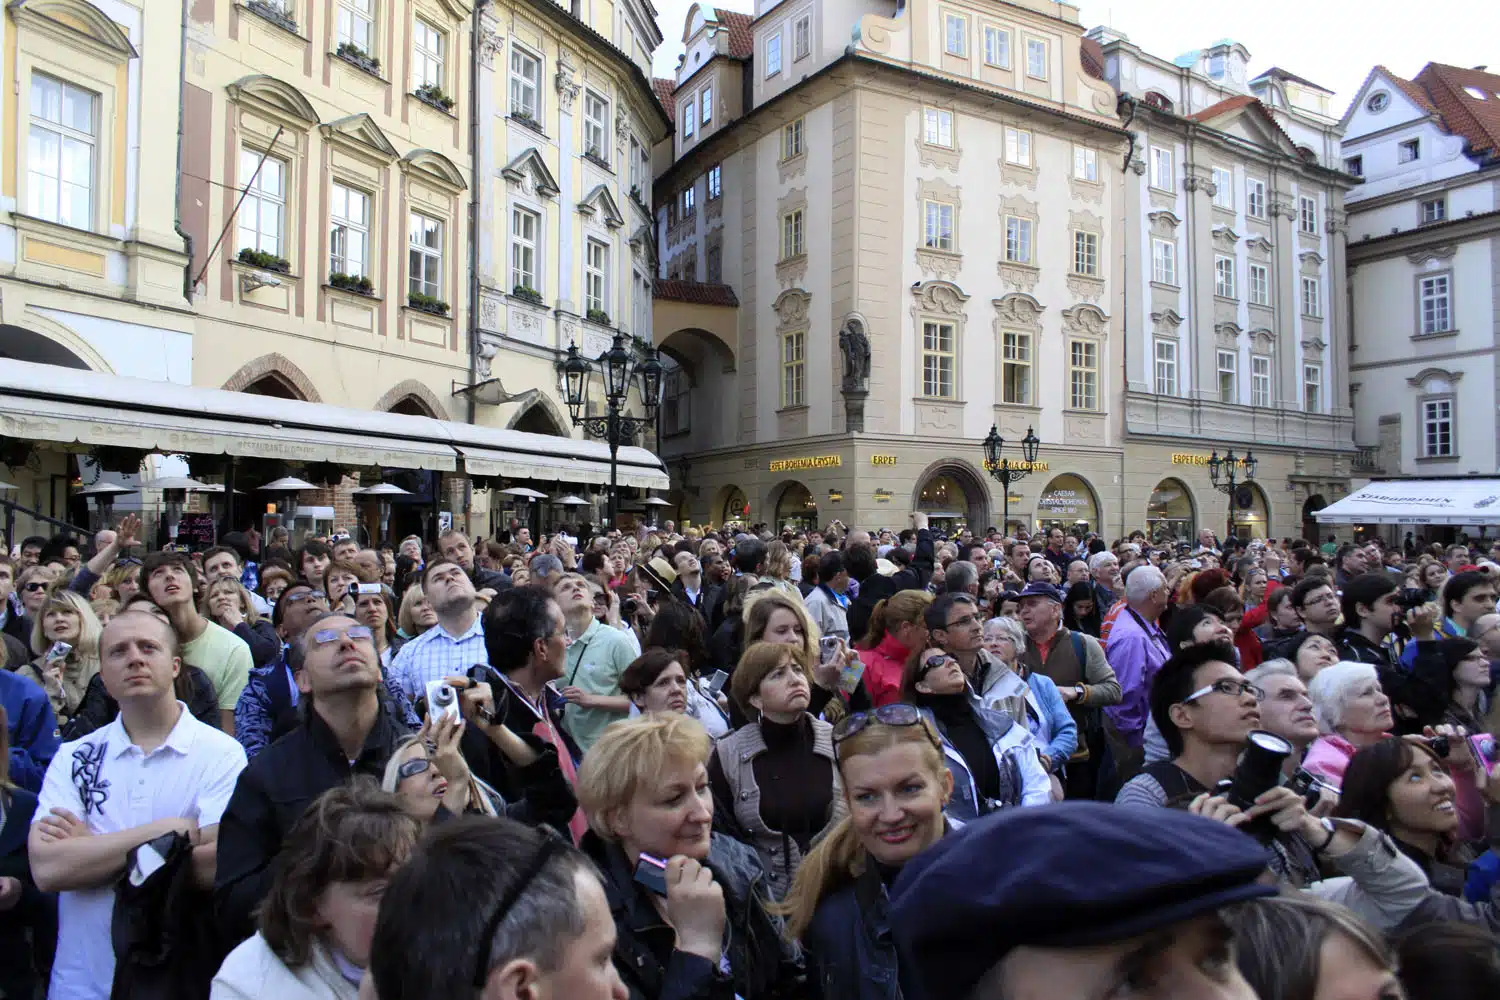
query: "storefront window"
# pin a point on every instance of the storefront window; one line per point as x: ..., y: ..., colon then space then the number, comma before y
x: 1067, y: 503
x: 945, y: 503
x: 1251, y: 512
x: 1169, y: 514
x: 796, y: 508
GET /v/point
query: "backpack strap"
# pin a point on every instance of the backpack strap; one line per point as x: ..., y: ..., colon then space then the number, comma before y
x: 1179, y: 787
x: 1080, y: 651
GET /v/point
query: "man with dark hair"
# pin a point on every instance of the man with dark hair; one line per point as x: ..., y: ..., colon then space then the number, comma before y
x: 171, y: 580
x: 31, y: 550
x: 313, y: 560
x: 1371, y: 614
x: 1349, y: 562
x: 750, y: 557
x: 864, y: 569
x: 1299, y: 560
x: 1318, y: 603
x: 1019, y: 557
x: 455, y: 546
x: 828, y: 604
x: 1466, y: 596
x: 454, y: 644
x: 1456, y: 558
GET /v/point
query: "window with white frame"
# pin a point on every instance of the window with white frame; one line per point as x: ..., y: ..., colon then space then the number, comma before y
x: 636, y: 171
x: 1355, y: 166
x: 525, y: 231
x: 1018, y: 239
x: 1312, y: 297
x: 1437, y: 428
x: 1435, y: 303
x: 1083, y: 375
x: 1036, y: 58
x: 689, y: 116
x: 262, y: 215
x: 794, y: 368
x: 689, y: 202
x: 429, y: 50
x: 956, y: 35
x: 1163, y: 176
x: 61, y: 151
x: 1308, y: 215
x: 1086, y: 253
x: 356, y: 20
x: 1164, y: 261
x: 1015, y: 368
x: 1255, y: 198
x: 801, y: 38
x: 1224, y: 276
x: 596, y: 276
x: 1224, y: 188
x: 773, y: 54
x: 791, y: 235
x: 715, y: 181
x: 1434, y: 210
x: 424, y: 251
x: 1229, y: 377
x: 1260, y: 285
x: 938, y: 360
x: 1166, y: 367
x: 596, y: 125
x: 939, y: 225
x: 997, y: 47
x: 791, y: 139
x: 348, y: 231
x: 1260, y: 381
x: 706, y: 99
x: 937, y: 127
x: 1017, y: 146
x: 1086, y: 164
x: 1312, y: 388
x: 1409, y: 151
x: 525, y: 84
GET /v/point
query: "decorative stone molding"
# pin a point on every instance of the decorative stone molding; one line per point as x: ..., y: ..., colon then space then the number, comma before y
x: 939, y: 190
x: 622, y: 128
x: 529, y: 173
x: 939, y: 419
x: 714, y: 209
x: 1225, y: 237
x: 1087, y: 221
x: 1162, y: 200
x: 1017, y: 175
x: 1283, y: 209
x: 1164, y: 222
x: 1083, y: 427
x: 1020, y: 277
x: 1018, y: 310
x: 490, y: 300
x: 1165, y: 323
x: 792, y: 270
x: 1227, y: 334
x: 1086, y: 190
x: 1313, y: 345
x: 1336, y: 222
x: 1086, y: 320
x: 1138, y: 167
x: 1085, y: 287
x: 1262, y: 340
x: 791, y: 310
x: 1428, y: 255
x: 791, y: 168
x: 567, y: 87
x: 1311, y: 261
x: 1260, y: 244
x: 941, y: 297
x: 1422, y: 377
x: 935, y: 263
x: 278, y: 365
x: 941, y: 157
x: 1016, y: 205
x: 491, y: 41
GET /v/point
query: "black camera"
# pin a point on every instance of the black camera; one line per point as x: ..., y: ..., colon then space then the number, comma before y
x: 1259, y: 769
x: 1411, y: 598
x: 629, y: 607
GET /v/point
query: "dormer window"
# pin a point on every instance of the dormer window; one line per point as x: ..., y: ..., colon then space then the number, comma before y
x: 1158, y: 100
x: 1216, y: 66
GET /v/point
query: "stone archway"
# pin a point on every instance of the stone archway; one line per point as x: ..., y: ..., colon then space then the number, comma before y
x: 1171, y: 513
x: 939, y: 481
x: 271, y: 372
x: 50, y: 343
x: 540, y: 416
x: 411, y: 397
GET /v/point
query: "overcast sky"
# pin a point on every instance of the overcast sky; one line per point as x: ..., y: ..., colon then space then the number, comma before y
x: 1330, y: 42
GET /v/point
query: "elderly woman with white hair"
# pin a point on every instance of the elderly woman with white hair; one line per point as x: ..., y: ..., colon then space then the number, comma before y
x: 1002, y: 682
x: 1352, y: 713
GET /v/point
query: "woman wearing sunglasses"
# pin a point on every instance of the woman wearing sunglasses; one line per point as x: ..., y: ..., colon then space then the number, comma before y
x: 428, y: 773
x: 895, y: 785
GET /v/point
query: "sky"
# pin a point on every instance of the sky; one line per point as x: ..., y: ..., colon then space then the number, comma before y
x: 1333, y: 43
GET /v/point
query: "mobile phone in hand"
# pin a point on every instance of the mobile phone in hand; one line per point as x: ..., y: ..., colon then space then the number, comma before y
x: 651, y: 872
x: 716, y: 683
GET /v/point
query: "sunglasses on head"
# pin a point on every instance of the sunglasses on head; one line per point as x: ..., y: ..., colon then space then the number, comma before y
x: 898, y: 714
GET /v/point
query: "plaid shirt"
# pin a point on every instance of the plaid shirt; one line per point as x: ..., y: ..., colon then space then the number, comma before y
x: 434, y: 655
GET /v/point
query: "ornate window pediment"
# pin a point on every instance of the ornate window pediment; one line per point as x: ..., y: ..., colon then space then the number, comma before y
x: 360, y: 131
x: 600, y: 204
x: 941, y: 297
x: 1262, y: 339
x: 275, y: 99
x: 530, y: 171
x: 1227, y: 334
x: 1086, y: 320
x: 1166, y: 322
x: 435, y: 168
x: 1226, y: 236
x: 791, y: 309
x: 1260, y: 243
x: 74, y: 22
x: 643, y: 241
x: 1019, y: 310
x: 1163, y: 221
x: 1434, y: 380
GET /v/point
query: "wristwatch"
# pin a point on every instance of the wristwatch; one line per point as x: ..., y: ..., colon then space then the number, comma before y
x: 1080, y: 691
x: 1328, y: 825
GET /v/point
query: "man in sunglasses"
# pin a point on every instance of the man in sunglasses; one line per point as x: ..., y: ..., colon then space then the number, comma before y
x: 267, y: 709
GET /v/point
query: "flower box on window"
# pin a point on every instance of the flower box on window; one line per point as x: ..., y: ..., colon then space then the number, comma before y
x: 598, y: 316
x: 356, y: 56
x: 427, y: 304
x: 596, y: 158
x: 357, y: 283
x: 264, y: 260
x: 525, y: 118
x: 638, y: 198
x: 529, y: 294
x: 431, y: 93
x: 274, y: 11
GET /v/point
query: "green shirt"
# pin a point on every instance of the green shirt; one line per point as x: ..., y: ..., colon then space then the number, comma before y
x: 225, y: 658
x: 596, y: 661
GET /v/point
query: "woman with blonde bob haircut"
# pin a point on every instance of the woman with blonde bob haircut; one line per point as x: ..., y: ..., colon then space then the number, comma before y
x: 64, y: 617
x: 644, y: 788
x: 416, y: 615
x: 895, y: 787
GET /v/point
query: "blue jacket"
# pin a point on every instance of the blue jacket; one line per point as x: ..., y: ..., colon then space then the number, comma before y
x: 850, y: 952
x: 34, y: 738
x: 1484, y: 872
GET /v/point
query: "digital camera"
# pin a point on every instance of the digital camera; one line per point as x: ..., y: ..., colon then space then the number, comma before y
x: 442, y: 699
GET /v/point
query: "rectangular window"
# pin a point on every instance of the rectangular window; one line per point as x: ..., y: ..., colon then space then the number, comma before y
x: 1086, y: 253
x: 1036, y: 58
x: 1436, y: 305
x: 596, y: 126
x: 1355, y: 165
x: 1229, y: 377
x: 689, y: 117
x: 1260, y: 285
x: 715, y: 183
x: 1224, y: 277
x: 1312, y: 299
x: 689, y: 202
x: 525, y: 228
x: 349, y: 231
x: 997, y: 47
x: 1015, y: 368
x: 1437, y: 428
x: 1085, y: 164
x: 791, y: 140
x: 1166, y: 368
x: 60, y: 155
x: 1164, y: 261
x: 425, y: 256
x: 938, y: 360
x: 1260, y: 381
x: 1224, y: 188
x: 1083, y: 375
x: 596, y: 276
x: 773, y: 55
x: 262, y: 215
x: 1017, y: 239
x: 636, y: 173
x: 1312, y: 388
x: 706, y: 99
x: 713, y: 263
x: 1308, y: 215
x: 793, y: 369
x: 1017, y: 146
x: 525, y: 85
x: 937, y: 127
x: 1409, y: 151
x: 939, y: 225
x: 956, y: 35
x: 801, y: 38
x: 1163, y: 175
x: 1255, y: 198
x: 1434, y: 210
x: 791, y: 234
x: 357, y: 24
x: 429, y: 48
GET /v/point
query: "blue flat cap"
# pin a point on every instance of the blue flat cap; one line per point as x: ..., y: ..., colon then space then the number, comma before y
x: 1041, y: 588
x: 1071, y: 874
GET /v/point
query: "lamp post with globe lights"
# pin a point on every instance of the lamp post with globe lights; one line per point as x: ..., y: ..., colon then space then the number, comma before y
x: 619, y: 372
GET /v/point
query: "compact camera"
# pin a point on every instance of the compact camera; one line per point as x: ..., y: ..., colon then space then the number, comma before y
x: 442, y: 699
x: 828, y: 648
x: 368, y: 588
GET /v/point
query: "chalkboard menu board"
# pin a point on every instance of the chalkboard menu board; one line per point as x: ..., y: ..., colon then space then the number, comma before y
x: 196, y: 530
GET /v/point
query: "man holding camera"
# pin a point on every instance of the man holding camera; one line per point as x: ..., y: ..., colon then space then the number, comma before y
x: 454, y: 644
x: 1375, y: 607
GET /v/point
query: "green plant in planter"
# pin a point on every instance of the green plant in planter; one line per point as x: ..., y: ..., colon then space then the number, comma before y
x: 529, y: 294
x: 351, y: 283
x: 427, y: 303
x: 358, y: 56
x: 598, y: 316
x: 433, y: 94
x: 264, y: 259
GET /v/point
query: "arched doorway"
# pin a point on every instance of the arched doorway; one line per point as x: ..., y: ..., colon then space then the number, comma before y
x: 1170, y: 513
x: 1068, y: 503
x: 1312, y: 505
x: 733, y: 506
x: 539, y: 419
x: 796, y: 508
x: 1252, y: 512
x: 953, y: 497
x: 21, y: 344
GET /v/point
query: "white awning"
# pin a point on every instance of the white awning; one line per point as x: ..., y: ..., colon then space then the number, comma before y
x: 1418, y: 501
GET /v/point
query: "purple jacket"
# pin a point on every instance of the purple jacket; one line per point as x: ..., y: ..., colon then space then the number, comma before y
x: 1136, y: 650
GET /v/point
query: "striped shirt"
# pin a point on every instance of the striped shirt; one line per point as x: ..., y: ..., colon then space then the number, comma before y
x: 434, y: 655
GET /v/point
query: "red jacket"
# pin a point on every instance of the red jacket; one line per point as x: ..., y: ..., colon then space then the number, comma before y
x: 884, y: 667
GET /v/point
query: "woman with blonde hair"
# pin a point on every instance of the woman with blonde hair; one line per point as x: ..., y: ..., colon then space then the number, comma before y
x: 896, y: 629
x: 895, y: 788
x: 416, y: 615
x: 429, y: 775
x: 123, y: 580
x: 66, y: 633
x: 227, y: 603
x: 779, y: 569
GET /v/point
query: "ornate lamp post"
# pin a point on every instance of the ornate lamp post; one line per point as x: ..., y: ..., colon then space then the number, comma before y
x: 1001, y: 469
x: 1224, y: 473
x: 615, y: 428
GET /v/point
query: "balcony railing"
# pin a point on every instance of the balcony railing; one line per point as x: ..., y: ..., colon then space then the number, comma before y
x: 1367, y: 460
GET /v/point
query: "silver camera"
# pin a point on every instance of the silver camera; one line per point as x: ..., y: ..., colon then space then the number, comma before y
x: 442, y: 699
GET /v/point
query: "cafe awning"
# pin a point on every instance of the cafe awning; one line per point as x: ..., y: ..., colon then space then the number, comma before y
x: 74, y: 407
x: 1418, y: 501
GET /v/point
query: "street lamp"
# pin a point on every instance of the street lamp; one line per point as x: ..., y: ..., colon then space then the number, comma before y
x: 1224, y: 473
x: 615, y: 428
x: 1002, y: 471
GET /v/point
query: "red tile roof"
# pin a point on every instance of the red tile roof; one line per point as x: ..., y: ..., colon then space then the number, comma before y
x: 1412, y: 90
x: 1092, y: 56
x: 664, y: 92
x: 696, y: 292
x: 1474, y: 118
x: 1213, y: 111
x: 741, y: 39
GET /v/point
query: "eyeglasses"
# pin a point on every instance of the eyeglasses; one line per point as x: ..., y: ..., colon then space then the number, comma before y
x: 898, y: 714
x: 1229, y: 687
x: 413, y: 767
x: 961, y: 622
x: 550, y: 846
x: 324, y: 636
x: 306, y: 595
x: 34, y: 586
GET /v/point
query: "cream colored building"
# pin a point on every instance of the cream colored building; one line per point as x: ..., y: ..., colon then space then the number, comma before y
x: 944, y: 189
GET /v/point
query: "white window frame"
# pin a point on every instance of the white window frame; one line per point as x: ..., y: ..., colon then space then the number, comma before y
x: 1163, y: 261
x: 793, y: 368
x: 1435, y: 303
x: 1016, y: 367
x: 1307, y: 215
x: 50, y: 189
x: 1020, y: 239
x: 689, y: 117
x: 939, y: 359
x: 596, y: 276
x: 1255, y: 198
x: 429, y: 56
x: 1312, y: 387
x: 1228, y: 365
x: 689, y: 203
x: 348, y: 236
x: 1312, y: 297
x: 792, y: 144
x: 802, y: 38
x: 259, y: 199
x: 1432, y: 210
x: 1260, y: 380
x: 952, y: 39
x: 1224, y: 283
x: 773, y: 54
x: 1036, y: 58
x: 937, y: 127
x: 706, y: 101
x: 1164, y: 360
x: 1260, y: 284
x: 523, y: 63
x: 1017, y: 146
x: 713, y: 182
x: 525, y: 250
x: 1163, y: 168
x: 1439, y: 427
x: 1083, y: 374
x: 939, y: 225
x: 431, y: 257
x: 1086, y: 253
x: 1409, y: 151
x: 596, y: 124
x: 996, y: 46
x: 356, y: 24
x: 1085, y: 164
x: 1223, y: 188
x: 793, y: 234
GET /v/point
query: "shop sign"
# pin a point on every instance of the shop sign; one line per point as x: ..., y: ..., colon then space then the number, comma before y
x: 1189, y: 458
x: 1014, y: 464
x: 809, y: 462
x: 883, y: 496
x: 1063, y: 502
x: 882, y: 459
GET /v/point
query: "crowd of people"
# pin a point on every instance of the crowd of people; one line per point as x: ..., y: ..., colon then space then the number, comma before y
x: 705, y: 765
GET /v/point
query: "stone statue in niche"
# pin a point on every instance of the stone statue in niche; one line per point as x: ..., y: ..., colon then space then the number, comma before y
x: 856, y: 348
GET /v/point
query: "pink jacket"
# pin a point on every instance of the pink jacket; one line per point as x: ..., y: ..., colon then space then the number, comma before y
x: 1327, y: 758
x: 884, y: 666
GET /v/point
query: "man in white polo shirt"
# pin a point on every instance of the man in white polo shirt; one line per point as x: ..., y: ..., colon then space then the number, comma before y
x: 154, y: 770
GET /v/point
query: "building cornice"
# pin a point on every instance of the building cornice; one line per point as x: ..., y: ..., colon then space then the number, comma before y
x: 1444, y: 186
x: 1470, y: 227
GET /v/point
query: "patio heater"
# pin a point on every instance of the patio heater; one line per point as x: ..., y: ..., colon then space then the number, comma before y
x: 380, y: 494
x: 655, y: 503
x: 174, y: 491
x: 523, y: 496
x: 286, y: 492
x: 103, y: 495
